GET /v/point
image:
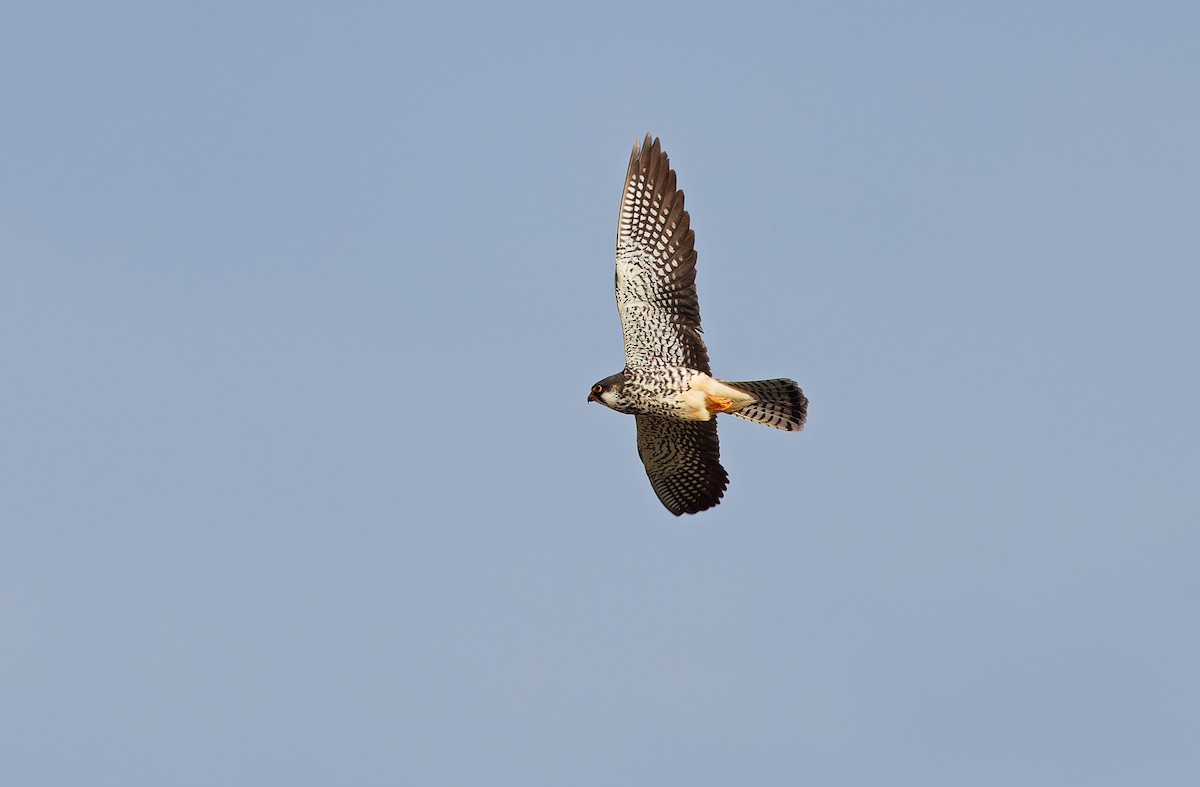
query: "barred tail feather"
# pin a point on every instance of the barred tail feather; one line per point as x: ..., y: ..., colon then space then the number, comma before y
x: 777, y: 403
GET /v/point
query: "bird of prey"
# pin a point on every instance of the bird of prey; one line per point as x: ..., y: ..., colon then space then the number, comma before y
x: 667, y: 383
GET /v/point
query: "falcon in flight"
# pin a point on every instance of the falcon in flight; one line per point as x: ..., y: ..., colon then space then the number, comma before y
x: 667, y: 383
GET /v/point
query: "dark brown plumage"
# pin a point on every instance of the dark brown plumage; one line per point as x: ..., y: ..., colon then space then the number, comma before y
x: 656, y: 267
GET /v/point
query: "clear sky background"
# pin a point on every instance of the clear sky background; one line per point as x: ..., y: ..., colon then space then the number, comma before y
x: 300, y: 305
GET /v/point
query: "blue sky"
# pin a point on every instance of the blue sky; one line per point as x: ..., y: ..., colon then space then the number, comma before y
x: 301, y: 305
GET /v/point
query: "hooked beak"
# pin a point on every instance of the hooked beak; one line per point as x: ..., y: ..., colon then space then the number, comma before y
x: 591, y: 397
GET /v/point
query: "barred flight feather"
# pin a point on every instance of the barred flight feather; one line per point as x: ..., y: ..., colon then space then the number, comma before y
x: 656, y: 266
x: 778, y: 403
x: 683, y: 462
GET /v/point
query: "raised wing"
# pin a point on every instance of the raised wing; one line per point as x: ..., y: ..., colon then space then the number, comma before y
x: 683, y: 461
x: 656, y: 267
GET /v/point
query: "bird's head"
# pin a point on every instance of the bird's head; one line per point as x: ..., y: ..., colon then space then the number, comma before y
x: 608, y: 391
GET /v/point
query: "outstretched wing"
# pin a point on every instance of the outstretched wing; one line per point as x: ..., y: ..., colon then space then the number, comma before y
x: 683, y: 461
x: 656, y: 267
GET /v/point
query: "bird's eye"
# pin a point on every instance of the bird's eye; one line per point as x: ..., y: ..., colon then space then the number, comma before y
x: 597, y: 389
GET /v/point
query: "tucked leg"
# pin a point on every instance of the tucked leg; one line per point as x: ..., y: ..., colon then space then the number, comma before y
x: 717, y: 404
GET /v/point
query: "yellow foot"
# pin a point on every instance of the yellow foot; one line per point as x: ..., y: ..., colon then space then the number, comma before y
x: 717, y: 404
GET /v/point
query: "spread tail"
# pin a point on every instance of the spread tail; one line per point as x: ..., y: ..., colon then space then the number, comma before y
x: 777, y: 403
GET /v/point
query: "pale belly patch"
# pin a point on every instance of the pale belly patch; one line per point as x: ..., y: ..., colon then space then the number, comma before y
x: 706, y: 397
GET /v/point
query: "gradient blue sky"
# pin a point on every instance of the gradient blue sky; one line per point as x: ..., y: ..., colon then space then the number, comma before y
x: 301, y: 302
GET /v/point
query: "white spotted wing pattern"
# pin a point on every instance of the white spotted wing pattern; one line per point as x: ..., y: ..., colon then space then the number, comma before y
x: 656, y: 267
x: 660, y: 319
